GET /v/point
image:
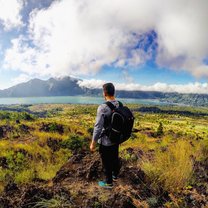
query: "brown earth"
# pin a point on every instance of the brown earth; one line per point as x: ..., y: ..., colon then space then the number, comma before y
x: 76, y: 185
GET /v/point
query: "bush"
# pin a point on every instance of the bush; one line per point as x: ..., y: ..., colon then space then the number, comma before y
x: 90, y: 130
x: 160, y: 130
x: 16, y: 161
x: 52, y: 127
x: 26, y: 116
x: 16, y: 116
x: 74, y: 142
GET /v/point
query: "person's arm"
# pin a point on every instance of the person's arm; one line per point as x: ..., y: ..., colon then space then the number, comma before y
x: 97, y: 127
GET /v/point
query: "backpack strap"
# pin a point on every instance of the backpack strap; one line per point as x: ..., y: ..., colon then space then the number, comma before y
x: 106, y: 120
x: 120, y: 104
x: 110, y: 105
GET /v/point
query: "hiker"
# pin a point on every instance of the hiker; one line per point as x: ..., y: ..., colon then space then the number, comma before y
x: 107, y: 149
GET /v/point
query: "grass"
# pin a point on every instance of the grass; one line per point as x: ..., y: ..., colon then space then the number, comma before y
x: 24, y: 177
x: 172, y: 169
x: 46, y: 171
x: 40, y: 152
x: 56, y: 202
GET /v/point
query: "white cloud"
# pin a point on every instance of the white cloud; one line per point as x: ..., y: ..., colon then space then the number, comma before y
x: 4, y: 85
x: 20, y: 79
x: 80, y: 36
x: 200, y: 88
x: 91, y: 83
x: 10, y: 16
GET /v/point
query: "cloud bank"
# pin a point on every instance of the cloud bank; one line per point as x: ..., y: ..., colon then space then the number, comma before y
x: 10, y: 16
x: 79, y: 37
x: 199, y: 88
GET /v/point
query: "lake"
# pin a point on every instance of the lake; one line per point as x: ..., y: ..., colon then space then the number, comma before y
x: 73, y: 100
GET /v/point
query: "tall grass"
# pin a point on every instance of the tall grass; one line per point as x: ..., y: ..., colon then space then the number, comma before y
x: 172, y: 169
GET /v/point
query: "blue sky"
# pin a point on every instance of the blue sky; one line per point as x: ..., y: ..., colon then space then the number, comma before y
x: 93, y: 41
x: 147, y: 75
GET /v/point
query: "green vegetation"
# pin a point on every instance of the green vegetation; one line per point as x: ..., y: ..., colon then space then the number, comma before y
x: 167, y: 145
x: 160, y: 130
x: 56, y: 202
x: 9, y: 115
x: 172, y: 169
x: 74, y: 142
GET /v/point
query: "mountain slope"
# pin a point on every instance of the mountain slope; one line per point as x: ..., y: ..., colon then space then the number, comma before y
x: 50, y: 87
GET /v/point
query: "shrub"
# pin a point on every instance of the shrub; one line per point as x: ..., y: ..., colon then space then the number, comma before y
x: 202, y: 150
x: 16, y: 116
x: 90, y: 130
x: 160, y: 130
x: 4, y: 115
x: 26, y: 116
x: 74, y: 142
x: 16, y: 161
x: 52, y: 127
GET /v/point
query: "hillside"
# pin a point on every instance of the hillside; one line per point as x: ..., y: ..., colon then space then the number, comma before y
x: 68, y: 86
x: 45, y: 159
x: 50, y: 87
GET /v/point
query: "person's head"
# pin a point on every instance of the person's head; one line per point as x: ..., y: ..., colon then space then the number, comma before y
x: 108, y: 90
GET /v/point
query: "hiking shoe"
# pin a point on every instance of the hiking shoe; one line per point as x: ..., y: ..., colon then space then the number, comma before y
x: 115, y: 178
x: 103, y: 184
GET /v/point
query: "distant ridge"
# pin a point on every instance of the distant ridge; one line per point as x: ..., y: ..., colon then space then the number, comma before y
x: 51, y: 87
x: 68, y: 86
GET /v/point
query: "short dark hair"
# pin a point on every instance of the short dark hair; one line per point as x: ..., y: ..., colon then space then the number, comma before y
x: 109, y: 89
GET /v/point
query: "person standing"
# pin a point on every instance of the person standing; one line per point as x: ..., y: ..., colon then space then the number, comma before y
x: 108, y: 150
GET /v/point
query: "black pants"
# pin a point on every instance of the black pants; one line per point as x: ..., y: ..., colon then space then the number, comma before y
x: 110, y: 160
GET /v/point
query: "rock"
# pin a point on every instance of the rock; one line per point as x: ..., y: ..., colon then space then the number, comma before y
x: 17, y: 121
x: 34, y: 194
x: 133, y: 174
x: 80, y: 166
x: 122, y: 197
x: 5, y: 203
x: 4, y: 130
x: 52, y: 127
x: 163, y: 149
x: 24, y: 128
x: 93, y: 170
x: 10, y: 188
x: 92, y: 203
x: 3, y: 162
x: 53, y: 144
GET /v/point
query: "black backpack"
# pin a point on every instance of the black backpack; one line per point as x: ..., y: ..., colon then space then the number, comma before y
x: 119, y: 124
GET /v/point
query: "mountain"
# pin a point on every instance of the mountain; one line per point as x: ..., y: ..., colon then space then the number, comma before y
x: 187, y: 99
x: 50, y: 87
x: 68, y: 86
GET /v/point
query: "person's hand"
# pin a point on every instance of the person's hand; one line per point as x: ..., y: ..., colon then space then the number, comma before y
x: 92, y: 146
